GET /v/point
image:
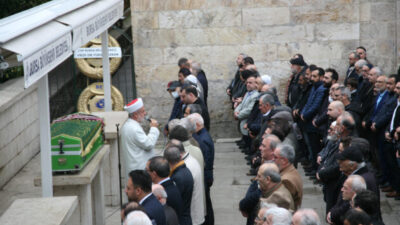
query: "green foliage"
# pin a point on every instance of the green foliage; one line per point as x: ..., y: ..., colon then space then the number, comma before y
x: 11, y: 73
x: 10, y: 7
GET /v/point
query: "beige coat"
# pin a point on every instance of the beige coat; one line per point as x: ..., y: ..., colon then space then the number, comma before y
x: 292, y: 180
x: 280, y: 196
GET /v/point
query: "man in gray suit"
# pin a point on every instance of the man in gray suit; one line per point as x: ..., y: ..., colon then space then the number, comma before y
x: 243, y: 110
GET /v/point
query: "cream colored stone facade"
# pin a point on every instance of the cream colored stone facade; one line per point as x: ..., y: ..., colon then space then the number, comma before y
x: 213, y: 32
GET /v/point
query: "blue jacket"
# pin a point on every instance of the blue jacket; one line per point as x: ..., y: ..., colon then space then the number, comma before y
x: 207, y: 148
x: 313, y: 104
x: 176, y: 112
x: 154, y: 210
x: 184, y: 181
x: 174, y: 198
x: 385, y: 114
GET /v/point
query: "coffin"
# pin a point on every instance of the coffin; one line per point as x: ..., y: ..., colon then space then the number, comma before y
x: 75, y: 139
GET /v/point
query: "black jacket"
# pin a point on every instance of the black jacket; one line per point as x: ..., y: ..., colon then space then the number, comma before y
x: 366, y: 97
x: 329, y: 173
x: 249, y: 203
x: 201, y: 76
x: 184, y: 181
x: 170, y: 215
x: 351, y: 73
x: 174, y: 198
x: 254, y: 119
x: 204, y: 113
x: 154, y: 210
x: 321, y: 119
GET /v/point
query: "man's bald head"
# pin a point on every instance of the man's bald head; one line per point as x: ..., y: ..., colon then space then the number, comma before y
x: 160, y: 193
x: 306, y: 217
x: 335, y: 109
x: 269, y: 166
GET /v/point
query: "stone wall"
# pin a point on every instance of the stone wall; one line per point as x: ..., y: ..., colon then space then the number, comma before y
x: 19, y: 127
x: 213, y: 32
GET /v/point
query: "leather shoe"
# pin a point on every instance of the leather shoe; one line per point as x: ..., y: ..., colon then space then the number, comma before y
x: 309, y: 170
x: 252, y: 172
x: 239, y: 141
x: 312, y: 177
x: 387, y: 189
x: 384, y: 185
x: 243, y: 146
x: 392, y: 194
x: 317, y: 181
x: 311, y: 173
x: 307, y: 166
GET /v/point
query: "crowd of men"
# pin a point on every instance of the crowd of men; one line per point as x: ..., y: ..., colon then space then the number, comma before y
x: 174, y: 187
x: 344, y: 134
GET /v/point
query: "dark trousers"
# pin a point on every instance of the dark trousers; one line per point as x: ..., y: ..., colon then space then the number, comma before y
x: 314, y: 146
x: 209, y: 219
x: 394, y: 169
x: 381, y: 156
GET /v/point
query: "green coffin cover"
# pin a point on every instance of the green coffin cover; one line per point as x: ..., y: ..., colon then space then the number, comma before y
x: 74, y: 142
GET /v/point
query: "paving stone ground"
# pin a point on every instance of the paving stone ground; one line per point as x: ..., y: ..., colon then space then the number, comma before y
x: 229, y: 187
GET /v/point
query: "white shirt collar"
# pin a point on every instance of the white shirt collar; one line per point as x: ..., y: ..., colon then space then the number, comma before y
x: 166, y: 179
x: 145, y: 197
x: 267, y: 113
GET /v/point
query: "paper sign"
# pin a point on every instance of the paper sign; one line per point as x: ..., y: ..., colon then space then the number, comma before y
x: 113, y: 52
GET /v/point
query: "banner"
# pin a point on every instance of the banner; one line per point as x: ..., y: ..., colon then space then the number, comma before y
x: 46, y: 59
x: 97, y: 25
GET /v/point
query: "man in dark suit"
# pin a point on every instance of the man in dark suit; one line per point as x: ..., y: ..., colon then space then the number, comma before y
x: 376, y: 121
x: 189, y: 96
x: 321, y: 119
x: 201, y: 76
x: 390, y: 150
x: 351, y: 162
x: 351, y: 71
x: 161, y: 195
x: 138, y: 189
x: 297, y: 67
x: 267, y: 109
x: 183, y: 179
x: 207, y: 148
x: 248, y: 204
x: 158, y: 168
x: 352, y: 186
x: 308, y: 112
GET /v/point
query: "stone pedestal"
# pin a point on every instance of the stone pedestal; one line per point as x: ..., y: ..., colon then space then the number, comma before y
x: 88, y: 185
x: 111, y: 172
x: 43, y: 211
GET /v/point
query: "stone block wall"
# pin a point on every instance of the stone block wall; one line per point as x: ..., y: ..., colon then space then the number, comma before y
x: 213, y: 32
x: 19, y: 127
